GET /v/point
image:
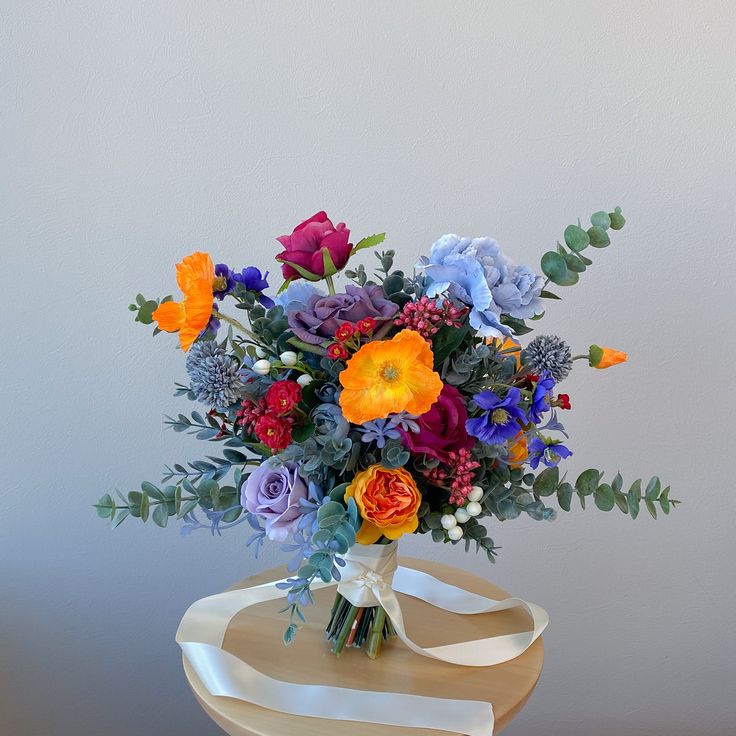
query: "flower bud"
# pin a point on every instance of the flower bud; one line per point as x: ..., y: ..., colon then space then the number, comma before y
x: 600, y: 358
x: 289, y: 357
x: 304, y: 380
x: 261, y: 353
x: 455, y: 533
x: 262, y: 367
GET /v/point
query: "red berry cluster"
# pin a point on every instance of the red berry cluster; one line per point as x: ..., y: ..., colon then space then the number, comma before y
x: 348, y: 337
x: 426, y: 316
x: 271, y: 419
x: 456, y: 475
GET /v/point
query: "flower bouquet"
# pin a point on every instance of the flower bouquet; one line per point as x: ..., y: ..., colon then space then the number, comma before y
x: 398, y: 403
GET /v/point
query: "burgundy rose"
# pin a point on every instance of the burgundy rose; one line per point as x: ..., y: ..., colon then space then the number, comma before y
x: 306, y: 244
x: 325, y: 315
x: 442, y: 428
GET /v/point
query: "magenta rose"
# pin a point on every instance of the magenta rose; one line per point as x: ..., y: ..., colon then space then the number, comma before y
x: 442, y: 428
x: 306, y: 245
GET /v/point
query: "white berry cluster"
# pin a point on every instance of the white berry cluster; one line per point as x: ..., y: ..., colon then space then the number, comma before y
x: 287, y: 359
x: 452, y: 523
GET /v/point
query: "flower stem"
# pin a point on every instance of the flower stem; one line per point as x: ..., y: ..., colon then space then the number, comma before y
x: 330, y: 284
x: 238, y: 325
x: 375, y: 638
x: 345, y: 630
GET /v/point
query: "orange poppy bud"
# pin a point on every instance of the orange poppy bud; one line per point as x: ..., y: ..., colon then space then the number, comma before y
x: 599, y: 357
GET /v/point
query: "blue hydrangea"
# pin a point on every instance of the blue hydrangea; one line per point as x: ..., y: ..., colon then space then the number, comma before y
x: 476, y: 272
x: 213, y: 375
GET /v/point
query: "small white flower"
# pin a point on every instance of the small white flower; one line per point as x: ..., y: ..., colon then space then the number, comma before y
x: 304, y: 380
x: 289, y: 357
x: 262, y: 367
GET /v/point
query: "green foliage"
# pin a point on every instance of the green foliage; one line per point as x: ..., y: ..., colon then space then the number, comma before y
x: 369, y: 242
x: 159, y: 504
x: 144, y: 309
x: 563, y: 265
x: 605, y: 496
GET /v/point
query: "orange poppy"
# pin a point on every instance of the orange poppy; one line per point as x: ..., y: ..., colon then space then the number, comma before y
x: 195, y: 276
x: 390, y: 376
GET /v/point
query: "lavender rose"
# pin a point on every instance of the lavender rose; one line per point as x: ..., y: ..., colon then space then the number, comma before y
x: 273, y: 492
x: 324, y: 314
x: 442, y: 428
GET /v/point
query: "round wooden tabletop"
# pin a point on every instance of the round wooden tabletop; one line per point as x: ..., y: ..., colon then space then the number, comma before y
x: 254, y: 635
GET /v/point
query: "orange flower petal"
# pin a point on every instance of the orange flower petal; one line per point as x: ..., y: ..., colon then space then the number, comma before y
x: 169, y: 316
x: 388, y: 377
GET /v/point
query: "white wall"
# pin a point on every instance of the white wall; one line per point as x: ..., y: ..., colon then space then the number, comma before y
x: 134, y: 132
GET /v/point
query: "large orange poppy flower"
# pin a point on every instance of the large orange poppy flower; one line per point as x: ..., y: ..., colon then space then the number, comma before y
x: 390, y: 376
x: 195, y: 275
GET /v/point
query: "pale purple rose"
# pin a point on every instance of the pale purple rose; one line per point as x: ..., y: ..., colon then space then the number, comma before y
x: 322, y: 316
x: 273, y: 492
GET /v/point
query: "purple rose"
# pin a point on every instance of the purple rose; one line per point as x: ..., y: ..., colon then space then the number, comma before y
x: 324, y: 314
x: 442, y: 428
x: 273, y: 492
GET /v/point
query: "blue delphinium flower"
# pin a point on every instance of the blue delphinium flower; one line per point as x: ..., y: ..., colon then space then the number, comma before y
x: 214, y: 376
x: 252, y: 280
x: 501, y: 419
x: 475, y: 271
x: 541, y: 397
x: 548, y: 451
x: 224, y: 281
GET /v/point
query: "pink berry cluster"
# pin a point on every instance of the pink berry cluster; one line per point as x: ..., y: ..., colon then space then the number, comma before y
x: 456, y: 475
x: 426, y: 316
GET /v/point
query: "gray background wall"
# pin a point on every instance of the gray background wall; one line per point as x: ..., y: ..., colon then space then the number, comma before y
x: 133, y: 133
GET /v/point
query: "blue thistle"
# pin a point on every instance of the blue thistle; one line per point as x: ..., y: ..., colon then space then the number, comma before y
x: 214, y: 376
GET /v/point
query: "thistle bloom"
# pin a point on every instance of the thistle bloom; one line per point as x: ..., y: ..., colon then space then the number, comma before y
x: 388, y: 377
x: 195, y: 275
x: 549, y: 353
x: 501, y: 419
x: 599, y: 357
x: 214, y: 376
x: 548, y: 451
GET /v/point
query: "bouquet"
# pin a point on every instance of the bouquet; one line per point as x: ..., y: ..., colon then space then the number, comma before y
x: 396, y: 403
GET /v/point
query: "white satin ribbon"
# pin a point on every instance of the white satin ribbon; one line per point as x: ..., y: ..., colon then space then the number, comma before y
x: 370, y: 577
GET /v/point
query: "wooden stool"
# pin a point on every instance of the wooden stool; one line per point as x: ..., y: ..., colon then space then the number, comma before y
x: 255, y: 636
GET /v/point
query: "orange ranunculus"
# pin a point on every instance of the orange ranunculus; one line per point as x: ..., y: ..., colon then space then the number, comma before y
x: 517, y: 451
x: 195, y: 275
x: 599, y: 357
x: 390, y: 376
x: 388, y: 500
